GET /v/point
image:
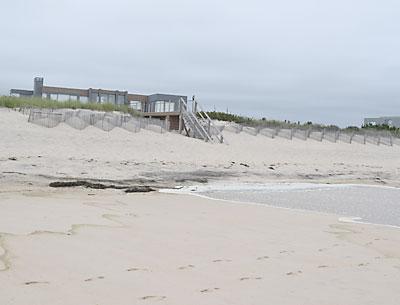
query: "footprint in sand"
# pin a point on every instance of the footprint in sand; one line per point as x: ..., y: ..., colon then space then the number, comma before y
x: 294, y: 272
x: 286, y: 252
x: 262, y: 257
x: 137, y: 269
x: 322, y: 266
x: 94, y: 278
x: 250, y: 278
x: 209, y: 290
x: 35, y: 283
x: 153, y: 297
x: 186, y: 267
x: 221, y: 260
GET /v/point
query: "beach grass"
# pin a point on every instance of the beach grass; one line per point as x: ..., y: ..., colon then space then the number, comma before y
x: 18, y: 102
x: 253, y: 122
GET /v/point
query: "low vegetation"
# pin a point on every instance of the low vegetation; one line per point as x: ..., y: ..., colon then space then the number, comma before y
x: 383, y: 127
x: 16, y: 102
x: 222, y: 116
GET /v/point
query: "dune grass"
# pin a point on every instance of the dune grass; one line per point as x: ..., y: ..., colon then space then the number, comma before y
x: 17, y: 102
x: 252, y: 122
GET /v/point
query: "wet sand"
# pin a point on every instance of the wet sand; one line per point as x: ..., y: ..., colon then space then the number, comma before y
x: 107, y: 247
x: 373, y: 204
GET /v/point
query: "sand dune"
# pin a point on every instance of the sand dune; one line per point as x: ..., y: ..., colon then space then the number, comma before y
x: 84, y: 246
x: 119, y: 154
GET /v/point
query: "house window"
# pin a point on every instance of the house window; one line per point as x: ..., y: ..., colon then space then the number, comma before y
x: 135, y: 105
x: 103, y: 98
x: 111, y: 99
x: 159, y: 106
x: 63, y: 97
x: 121, y: 99
x: 169, y: 106
x: 94, y: 97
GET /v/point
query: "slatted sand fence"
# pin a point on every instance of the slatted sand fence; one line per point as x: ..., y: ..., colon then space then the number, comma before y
x: 318, y: 134
x: 268, y: 132
x: 82, y: 118
x: 47, y: 119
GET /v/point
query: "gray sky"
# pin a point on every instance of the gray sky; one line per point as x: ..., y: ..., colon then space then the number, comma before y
x: 325, y: 61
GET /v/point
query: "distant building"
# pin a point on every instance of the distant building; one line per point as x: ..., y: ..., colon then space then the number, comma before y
x: 164, y: 106
x: 393, y: 121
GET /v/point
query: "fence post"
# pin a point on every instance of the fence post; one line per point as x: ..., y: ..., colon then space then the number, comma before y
x: 351, y: 137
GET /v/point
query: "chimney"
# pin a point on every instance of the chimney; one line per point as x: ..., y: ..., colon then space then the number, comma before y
x: 38, y: 87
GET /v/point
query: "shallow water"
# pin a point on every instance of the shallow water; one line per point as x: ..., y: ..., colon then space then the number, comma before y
x: 371, y: 204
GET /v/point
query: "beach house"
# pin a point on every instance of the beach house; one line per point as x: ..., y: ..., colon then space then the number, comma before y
x: 163, y: 106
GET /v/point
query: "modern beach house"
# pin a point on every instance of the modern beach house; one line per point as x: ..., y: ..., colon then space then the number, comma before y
x: 174, y: 109
x: 163, y: 106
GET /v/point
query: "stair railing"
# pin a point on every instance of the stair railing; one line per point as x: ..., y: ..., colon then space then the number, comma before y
x: 195, y: 122
x: 210, y: 123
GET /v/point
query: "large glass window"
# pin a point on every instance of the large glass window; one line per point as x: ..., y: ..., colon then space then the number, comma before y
x: 103, y: 98
x: 135, y: 105
x: 111, y: 99
x: 94, y: 97
x: 159, y: 106
x: 83, y: 99
x: 163, y: 106
x: 121, y: 99
x: 169, y: 106
x: 63, y: 97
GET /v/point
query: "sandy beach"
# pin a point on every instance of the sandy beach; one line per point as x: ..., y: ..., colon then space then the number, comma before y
x: 64, y: 152
x: 90, y: 246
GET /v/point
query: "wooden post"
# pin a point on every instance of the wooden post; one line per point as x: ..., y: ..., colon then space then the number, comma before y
x: 180, y: 123
x: 167, y: 123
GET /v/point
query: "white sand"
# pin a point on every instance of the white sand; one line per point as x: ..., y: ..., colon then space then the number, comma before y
x: 120, y: 154
x: 111, y: 248
x: 81, y: 246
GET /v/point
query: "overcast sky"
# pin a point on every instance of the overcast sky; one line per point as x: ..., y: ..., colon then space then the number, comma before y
x: 332, y: 61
